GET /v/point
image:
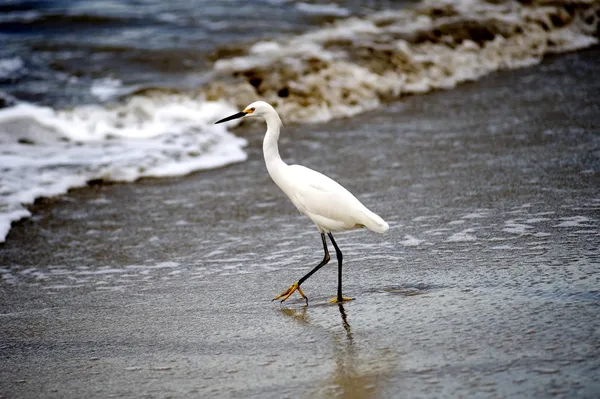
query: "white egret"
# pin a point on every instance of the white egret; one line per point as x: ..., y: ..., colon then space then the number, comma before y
x: 329, y: 205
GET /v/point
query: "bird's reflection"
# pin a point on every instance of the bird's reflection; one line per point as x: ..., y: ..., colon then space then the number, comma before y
x: 300, y: 316
x: 354, y: 375
x: 349, y: 379
x: 346, y: 324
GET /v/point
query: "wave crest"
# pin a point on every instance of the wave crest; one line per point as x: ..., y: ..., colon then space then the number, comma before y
x: 354, y: 64
x: 45, y: 152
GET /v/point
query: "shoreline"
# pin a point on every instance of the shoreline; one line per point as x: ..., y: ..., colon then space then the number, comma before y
x: 249, y: 128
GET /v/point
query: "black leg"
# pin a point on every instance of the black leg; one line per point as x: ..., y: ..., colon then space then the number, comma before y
x: 320, y: 265
x: 296, y: 286
x: 338, y: 253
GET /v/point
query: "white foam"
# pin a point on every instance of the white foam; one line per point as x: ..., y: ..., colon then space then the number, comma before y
x: 20, y: 16
x: 410, y: 241
x: 424, y: 218
x: 168, y: 17
x: 464, y: 235
x: 513, y: 227
x: 107, y: 88
x: 10, y: 65
x: 437, y: 232
x: 167, y: 264
x: 100, y: 272
x: 595, y: 232
x: 145, y: 137
x: 475, y: 215
x: 541, y: 234
x: 575, y: 221
x: 347, y: 67
x: 455, y: 222
x: 9, y: 216
x: 536, y: 220
x: 322, y: 9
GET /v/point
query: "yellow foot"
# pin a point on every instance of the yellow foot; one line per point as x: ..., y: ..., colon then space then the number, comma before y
x: 344, y: 299
x: 287, y: 293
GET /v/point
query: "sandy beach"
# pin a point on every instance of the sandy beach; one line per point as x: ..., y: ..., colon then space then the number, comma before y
x: 486, y: 284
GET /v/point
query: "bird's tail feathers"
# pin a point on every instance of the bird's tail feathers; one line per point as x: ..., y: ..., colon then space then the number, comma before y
x: 374, y: 222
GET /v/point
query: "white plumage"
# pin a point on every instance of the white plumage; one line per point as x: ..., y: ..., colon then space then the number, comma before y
x: 329, y: 205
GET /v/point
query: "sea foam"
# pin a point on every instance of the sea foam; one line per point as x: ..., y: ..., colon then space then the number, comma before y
x: 45, y: 152
x: 354, y: 64
x: 8, y: 66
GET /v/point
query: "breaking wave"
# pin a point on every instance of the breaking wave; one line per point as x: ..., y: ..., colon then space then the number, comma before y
x: 45, y: 152
x: 356, y: 63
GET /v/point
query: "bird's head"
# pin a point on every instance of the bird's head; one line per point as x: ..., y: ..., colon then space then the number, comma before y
x: 257, y: 108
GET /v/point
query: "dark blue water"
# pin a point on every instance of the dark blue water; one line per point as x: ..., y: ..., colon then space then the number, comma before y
x: 54, y: 51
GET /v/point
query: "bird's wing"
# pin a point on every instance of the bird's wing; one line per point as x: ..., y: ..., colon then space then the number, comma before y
x: 323, y: 196
x: 317, y: 181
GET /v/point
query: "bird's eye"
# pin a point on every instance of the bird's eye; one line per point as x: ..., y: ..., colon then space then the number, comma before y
x: 252, y: 109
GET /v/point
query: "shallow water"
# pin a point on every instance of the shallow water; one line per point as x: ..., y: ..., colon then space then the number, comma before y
x: 486, y: 284
x: 100, y: 91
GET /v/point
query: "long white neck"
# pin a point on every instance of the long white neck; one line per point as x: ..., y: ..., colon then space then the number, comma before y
x: 270, y: 148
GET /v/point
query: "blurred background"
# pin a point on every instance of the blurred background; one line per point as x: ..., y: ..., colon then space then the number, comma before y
x: 66, y: 53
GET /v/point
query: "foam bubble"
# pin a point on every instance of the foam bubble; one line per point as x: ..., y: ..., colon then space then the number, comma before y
x: 575, y: 221
x: 322, y: 9
x: 10, y: 65
x: 107, y: 88
x: 455, y: 222
x: 541, y: 234
x: 536, y: 220
x: 475, y: 215
x: 461, y: 236
x: 505, y: 247
x: 410, y: 241
x: 514, y: 227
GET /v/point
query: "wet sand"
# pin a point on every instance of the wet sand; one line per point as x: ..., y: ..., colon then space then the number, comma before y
x: 486, y: 284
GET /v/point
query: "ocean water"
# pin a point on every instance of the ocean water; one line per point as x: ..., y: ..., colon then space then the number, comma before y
x: 117, y: 91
